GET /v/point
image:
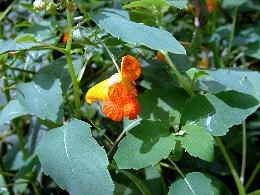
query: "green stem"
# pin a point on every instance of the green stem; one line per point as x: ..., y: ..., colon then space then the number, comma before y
x: 20, y: 138
x: 231, y: 37
x: 6, y: 178
x: 35, y: 189
x: 253, y: 175
x: 182, y: 175
x: 182, y: 79
x: 8, y: 9
x: 70, y: 64
x: 243, y: 163
x: 5, y: 83
x: 239, y: 185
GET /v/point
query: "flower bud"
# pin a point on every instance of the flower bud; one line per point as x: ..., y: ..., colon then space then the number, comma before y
x: 39, y: 4
x: 51, y: 8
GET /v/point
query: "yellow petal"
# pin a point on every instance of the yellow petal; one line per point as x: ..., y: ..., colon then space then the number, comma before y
x: 98, y: 92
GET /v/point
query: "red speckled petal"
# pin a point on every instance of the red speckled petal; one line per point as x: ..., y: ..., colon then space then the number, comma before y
x: 130, y: 68
x: 112, y: 110
x: 131, y: 109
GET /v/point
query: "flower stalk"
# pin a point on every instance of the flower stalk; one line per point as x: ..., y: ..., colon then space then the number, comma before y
x: 70, y: 64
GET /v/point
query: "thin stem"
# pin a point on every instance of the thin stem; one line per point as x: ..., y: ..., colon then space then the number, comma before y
x: 231, y: 37
x: 6, y: 178
x: 182, y: 79
x: 5, y: 83
x: 20, y: 138
x: 111, y: 55
x: 70, y: 64
x: 239, y: 185
x: 253, y: 175
x: 182, y: 175
x: 243, y: 163
x: 8, y: 9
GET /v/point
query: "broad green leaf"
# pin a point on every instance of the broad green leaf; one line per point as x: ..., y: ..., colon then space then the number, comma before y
x: 177, y: 3
x: 42, y: 97
x: 195, y: 183
x: 198, y: 142
x: 73, y: 159
x: 220, y: 112
x: 58, y: 69
x: 12, y: 110
x: 13, y: 45
x: 244, y: 81
x: 144, y: 145
x: 25, y: 38
x: 230, y: 3
x: 118, y: 24
x: 159, y: 103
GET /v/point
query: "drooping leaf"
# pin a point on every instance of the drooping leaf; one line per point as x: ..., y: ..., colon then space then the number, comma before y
x: 12, y: 110
x: 74, y: 160
x: 42, y: 97
x: 135, y: 33
x: 195, y: 183
x: 198, y: 142
x: 144, y: 145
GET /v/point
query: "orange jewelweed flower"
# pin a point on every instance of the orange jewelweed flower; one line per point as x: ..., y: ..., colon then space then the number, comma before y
x: 65, y: 37
x: 211, y: 5
x: 118, y: 93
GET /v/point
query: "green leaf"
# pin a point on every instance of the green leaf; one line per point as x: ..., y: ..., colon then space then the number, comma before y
x: 198, y: 142
x: 195, y: 183
x: 12, y: 110
x: 117, y: 24
x: 42, y: 97
x: 58, y: 69
x: 25, y: 38
x: 144, y: 145
x: 220, y: 112
x: 74, y: 160
x: 177, y: 3
x: 244, y: 81
x: 229, y: 3
x: 159, y: 103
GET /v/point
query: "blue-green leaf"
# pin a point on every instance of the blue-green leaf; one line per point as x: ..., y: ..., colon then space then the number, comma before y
x: 73, y: 159
x: 194, y: 183
x: 118, y: 24
x: 42, y: 97
x: 144, y: 145
x: 12, y: 110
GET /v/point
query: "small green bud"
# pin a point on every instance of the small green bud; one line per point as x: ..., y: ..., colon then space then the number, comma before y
x: 39, y: 4
x: 63, y: 4
x: 72, y: 6
x: 51, y: 8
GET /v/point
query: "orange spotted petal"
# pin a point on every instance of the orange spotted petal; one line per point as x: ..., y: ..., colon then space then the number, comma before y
x: 130, y: 68
x: 112, y: 110
x: 98, y: 92
x: 131, y: 109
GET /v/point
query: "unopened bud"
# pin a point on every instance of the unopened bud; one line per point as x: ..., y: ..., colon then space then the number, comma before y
x: 73, y: 6
x: 51, y: 8
x: 39, y: 4
x: 63, y: 4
